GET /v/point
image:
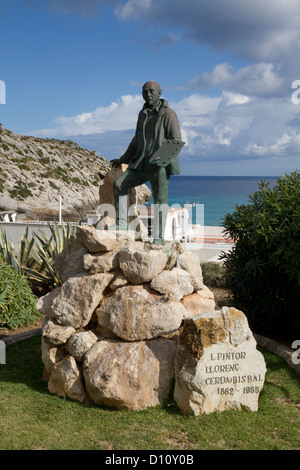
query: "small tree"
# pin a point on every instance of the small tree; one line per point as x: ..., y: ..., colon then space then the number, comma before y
x: 264, y: 266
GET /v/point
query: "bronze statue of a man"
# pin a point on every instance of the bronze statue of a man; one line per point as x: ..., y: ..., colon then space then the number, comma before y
x: 157, y: 128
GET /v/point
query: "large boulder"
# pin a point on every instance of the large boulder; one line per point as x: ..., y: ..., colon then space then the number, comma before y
x: 175, y: 284
x: 140, y: 263
x: 96, y: 240
x: 80, y: 343
x: 51, y: 355
x: 190, y: 262
x: 102, y: 262
x: 136, y: 313
x: 199, y: 302
x: 69, y: 262
x: 57, y: 334
x: 132, y: 376
x: 44, y: 303
x: 66, y: 380
x: 217, y: 364
x: 78, y: 299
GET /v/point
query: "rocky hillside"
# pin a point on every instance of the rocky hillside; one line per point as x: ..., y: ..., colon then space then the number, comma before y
x: 34, y: 172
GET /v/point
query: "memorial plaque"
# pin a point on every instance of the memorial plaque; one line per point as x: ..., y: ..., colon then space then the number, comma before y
x: 217, y: 364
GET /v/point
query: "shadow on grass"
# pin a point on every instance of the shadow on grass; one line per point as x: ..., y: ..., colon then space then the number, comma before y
x: 24, y: 364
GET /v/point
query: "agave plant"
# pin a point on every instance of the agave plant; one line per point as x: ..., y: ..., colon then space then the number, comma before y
x: 35, y: 257
x: 48, y: 248
x: 17, y: 255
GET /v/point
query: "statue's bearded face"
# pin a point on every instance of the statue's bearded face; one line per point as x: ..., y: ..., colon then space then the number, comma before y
x: 151, y: 93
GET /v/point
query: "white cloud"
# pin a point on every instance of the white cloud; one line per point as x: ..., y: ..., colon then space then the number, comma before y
x: 231, y: 128
x: 234, y: 98
x: 257, y: 29
x: 133, y: 9
x: 115, y: 117
x: 262, y: 31
x: 246, y: 130
x: 253, y: 80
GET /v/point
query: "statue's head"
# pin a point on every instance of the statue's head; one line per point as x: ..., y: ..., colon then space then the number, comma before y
x: 151, y: 93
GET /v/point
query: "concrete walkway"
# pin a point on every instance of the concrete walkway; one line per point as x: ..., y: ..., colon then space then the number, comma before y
x: 208, y: 243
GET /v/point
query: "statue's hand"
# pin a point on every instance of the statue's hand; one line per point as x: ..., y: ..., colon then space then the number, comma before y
x: 115, y: 162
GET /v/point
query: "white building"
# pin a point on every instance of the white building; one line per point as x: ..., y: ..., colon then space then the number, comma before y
x: 178, y: 224
x: 8, y: 216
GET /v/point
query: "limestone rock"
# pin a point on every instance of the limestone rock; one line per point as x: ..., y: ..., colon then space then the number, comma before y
x: 80, y: 343
x: 174, y: 284
x: 50, y: 355
x: 69, y: 262
x: 66, y: 380
x: 190, y: 262
x: 141, y: 264
x: 200, y: 302
x: 119, y: 281
x: 105, y: 333
x: 44, y: 303
x: 217, y: 364
x: 101, y: 263
x: 206, y: 293
x: 130, y: 375
x: 47, y: 175
x: 124, y: 235
x: 96, y: 240
x: 134, y: 313
x: 78, y: 299
x: 57, y: 334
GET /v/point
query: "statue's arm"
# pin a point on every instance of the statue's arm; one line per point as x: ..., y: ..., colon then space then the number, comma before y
x: 172, y: 128
x: 130, y: 152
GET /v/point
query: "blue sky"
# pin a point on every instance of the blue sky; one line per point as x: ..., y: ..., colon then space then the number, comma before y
x: 74, y: 68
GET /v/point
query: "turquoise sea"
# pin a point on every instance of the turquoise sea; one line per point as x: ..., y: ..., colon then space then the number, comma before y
x: 219, y: 194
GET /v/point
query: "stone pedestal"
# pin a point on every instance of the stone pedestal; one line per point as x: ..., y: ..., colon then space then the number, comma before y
x: 111, y: 330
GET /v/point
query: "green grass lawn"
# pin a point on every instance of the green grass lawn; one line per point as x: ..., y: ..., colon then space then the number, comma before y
x: 31, y: 418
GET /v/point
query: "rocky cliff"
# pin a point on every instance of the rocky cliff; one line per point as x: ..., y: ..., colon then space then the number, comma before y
x: 34, y: 172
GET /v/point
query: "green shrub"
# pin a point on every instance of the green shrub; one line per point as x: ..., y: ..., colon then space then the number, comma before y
x: 20, y: 191
x: 213, y: 274
x: 264, y: 266
x: 76, y: 180
x: 17, y: 302
x: 23, y: 166
x: 2, y: 181
x: 53, y: 185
